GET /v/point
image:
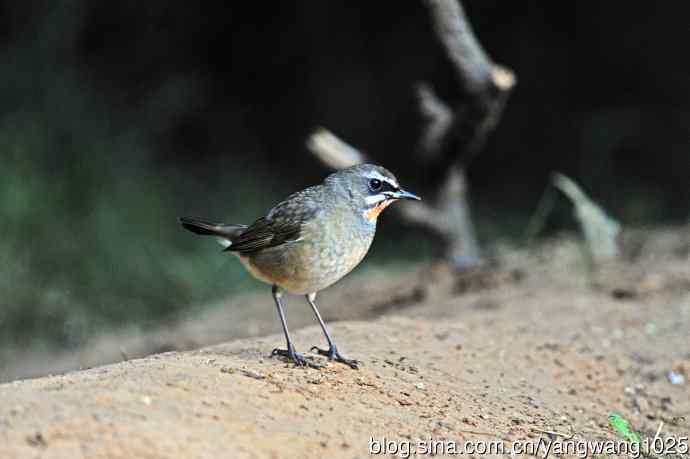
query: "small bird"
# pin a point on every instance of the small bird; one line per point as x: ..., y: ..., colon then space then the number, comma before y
x: 311, y: 240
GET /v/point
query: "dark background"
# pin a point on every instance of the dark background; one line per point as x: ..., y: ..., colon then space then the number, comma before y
x: 116, y: 117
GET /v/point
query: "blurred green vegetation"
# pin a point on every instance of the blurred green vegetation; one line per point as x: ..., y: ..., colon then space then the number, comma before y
x: 90, y: 240
x: 88, y: 216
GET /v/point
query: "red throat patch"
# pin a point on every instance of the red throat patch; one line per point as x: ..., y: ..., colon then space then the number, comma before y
x: 373, y: 213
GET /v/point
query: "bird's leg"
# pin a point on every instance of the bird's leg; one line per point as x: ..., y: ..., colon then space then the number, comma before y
x: 332, y: 351
x: 290, y: 352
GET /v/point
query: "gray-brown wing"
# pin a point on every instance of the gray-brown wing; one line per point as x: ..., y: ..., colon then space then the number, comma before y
x: 283, y: 223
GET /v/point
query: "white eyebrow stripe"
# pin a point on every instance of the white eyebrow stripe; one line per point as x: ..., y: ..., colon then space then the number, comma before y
x: 370, y: 200
x: 376, y: 175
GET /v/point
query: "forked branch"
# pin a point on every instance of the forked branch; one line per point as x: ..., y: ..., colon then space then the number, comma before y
x: 451, y: 136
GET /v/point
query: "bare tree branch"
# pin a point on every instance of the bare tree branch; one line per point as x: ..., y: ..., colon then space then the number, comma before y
x: 450, y: 219
x: 470, y: 61
x: 439, y: 120
x: 451, y: 136
x: 600, y: 230
x: 486, y: 83
x: 332, y: 151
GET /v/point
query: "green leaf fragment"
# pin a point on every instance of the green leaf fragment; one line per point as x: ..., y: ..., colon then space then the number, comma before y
x: 622, y: 426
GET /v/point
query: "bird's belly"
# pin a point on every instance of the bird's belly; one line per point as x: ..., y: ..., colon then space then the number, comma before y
x: 307, y: 266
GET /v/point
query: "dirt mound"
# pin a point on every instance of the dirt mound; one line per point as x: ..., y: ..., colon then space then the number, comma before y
x: 538, y: 345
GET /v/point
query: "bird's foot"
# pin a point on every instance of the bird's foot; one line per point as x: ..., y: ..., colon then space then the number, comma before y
x: 333, y: 354
x: 298, y: 359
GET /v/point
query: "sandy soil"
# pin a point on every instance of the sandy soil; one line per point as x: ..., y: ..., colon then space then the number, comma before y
x: 536, y: 343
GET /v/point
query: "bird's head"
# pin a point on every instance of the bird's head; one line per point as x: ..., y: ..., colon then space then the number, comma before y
x: 369, y: 188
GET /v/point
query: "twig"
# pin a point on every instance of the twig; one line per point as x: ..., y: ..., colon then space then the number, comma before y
x: 600, y: 231
x: 658, y: 431
x: 439, y: 120
x: 332, y: 151
x: 558, y: 434
x: 544, y: 207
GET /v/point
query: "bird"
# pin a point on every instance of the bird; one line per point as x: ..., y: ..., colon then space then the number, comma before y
x: 311, y: 240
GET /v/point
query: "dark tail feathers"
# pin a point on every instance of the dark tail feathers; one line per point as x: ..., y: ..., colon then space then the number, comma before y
x: 205, y: 228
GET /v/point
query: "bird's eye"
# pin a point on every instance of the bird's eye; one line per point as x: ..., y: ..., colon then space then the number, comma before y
x: 375, y: 184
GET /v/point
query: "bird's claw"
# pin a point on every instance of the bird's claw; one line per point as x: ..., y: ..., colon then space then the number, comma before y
x: 298, y: 359
x: 333, y: 354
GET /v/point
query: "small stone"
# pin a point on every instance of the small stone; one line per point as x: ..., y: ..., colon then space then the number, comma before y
x: 37, y: 439
x: 253, y: 374
x: 675, y: 378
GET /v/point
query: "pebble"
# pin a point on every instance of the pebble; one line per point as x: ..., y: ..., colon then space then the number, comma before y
x: 675, y: 378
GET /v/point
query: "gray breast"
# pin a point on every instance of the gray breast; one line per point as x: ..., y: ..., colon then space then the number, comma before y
x: 330, y: 247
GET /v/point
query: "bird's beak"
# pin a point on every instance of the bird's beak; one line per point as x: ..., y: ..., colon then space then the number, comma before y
x: 402, y: 194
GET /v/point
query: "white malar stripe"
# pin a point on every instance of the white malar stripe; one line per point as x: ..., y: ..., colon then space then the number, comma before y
x: 224, y: 242
x: 376, y: 175
x: 375, y: 199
